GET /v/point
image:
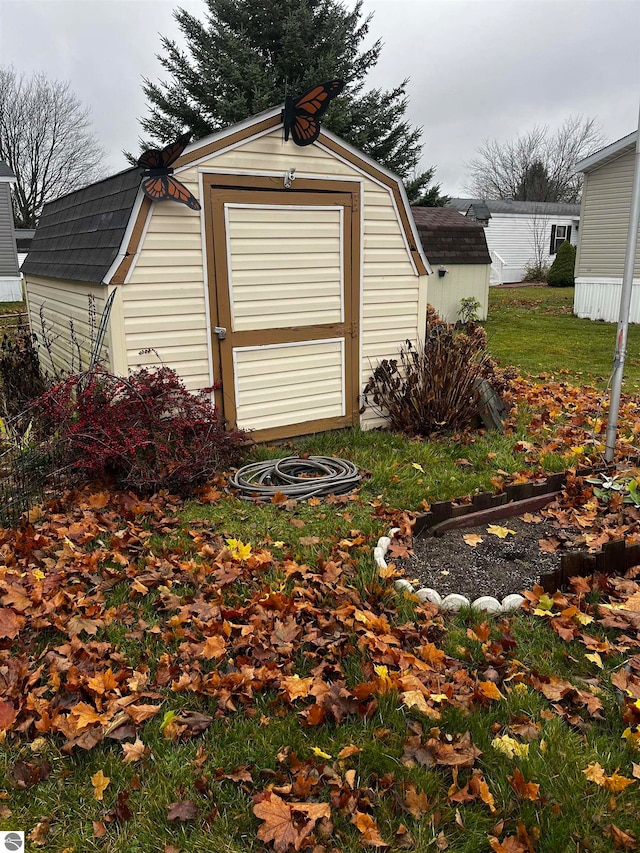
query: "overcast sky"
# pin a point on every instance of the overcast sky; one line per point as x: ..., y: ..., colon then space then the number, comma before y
x: 479, y: 68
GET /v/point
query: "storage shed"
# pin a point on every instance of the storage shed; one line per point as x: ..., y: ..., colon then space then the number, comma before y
x: 301, y: 271
x: 457, y: 249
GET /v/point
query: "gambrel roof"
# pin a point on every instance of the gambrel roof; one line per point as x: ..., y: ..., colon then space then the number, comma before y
x: 92, y: 234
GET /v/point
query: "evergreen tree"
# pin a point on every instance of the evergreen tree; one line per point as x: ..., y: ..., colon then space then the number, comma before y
x: 248, y: 55
x: 536, y: 185
x: 562, y: 269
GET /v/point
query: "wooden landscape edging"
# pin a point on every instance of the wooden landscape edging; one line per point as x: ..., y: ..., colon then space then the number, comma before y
x: 614, y: 557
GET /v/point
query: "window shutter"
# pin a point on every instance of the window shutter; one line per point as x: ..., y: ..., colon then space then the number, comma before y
x: 568, y: 233
x: 552, y: 245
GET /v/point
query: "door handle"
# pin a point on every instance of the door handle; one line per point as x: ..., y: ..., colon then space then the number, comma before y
x: 221, y: 332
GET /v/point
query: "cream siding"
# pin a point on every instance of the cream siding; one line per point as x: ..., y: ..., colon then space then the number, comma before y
x: 460, y: 282
x: 68, y: 323
x: 271, y: 251
x: 604, y: 220
x: 293, y: 383
x: 170, y: 266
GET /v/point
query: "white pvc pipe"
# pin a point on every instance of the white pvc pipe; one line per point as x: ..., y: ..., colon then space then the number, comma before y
x: 625, y: 304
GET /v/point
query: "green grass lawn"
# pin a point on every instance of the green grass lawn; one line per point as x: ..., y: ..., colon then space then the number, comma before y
x: 533, y: 328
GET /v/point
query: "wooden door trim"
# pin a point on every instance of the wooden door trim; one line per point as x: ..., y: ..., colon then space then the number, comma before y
x: 218, y: 189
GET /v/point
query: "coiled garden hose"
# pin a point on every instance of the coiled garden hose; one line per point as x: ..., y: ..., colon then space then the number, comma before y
x: 316, y: 476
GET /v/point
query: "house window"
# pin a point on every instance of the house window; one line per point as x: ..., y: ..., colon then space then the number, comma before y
x: 559, y: 233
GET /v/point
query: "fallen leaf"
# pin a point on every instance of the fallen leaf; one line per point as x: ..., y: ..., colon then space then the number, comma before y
x: 418, y: 467
x: 489, y: 689
x: 348, y: 751
x: 279, y: 826
x: 100, y: 783
x: 510, y: 746
x: 184, y: 810
x: 500, y: 532
x: 524, y: 789
x: 368, y: 828
x: 472, y: 539
x: 133, y: 751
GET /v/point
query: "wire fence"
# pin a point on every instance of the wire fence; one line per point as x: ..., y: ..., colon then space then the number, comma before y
x: 27, y: 476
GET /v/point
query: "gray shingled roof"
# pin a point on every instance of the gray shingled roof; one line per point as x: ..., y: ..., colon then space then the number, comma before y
x: 449, y: 238
x: 79, y: 235
x: 552, y: 208
x: 5, y: 171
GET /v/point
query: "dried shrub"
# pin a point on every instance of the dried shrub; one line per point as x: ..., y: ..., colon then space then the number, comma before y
x: 536, y: 271
x: 21, y: 377
x: 432, y: 387
x: 145, y: 432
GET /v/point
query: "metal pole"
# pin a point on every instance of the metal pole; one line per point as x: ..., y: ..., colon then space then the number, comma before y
x: 625, y: 304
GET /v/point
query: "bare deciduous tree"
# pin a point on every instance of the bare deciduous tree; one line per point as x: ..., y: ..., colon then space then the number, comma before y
x: 47, y: 141
x: 505, y: 169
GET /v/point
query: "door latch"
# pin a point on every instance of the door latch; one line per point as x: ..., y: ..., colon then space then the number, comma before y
x: 221, y: 332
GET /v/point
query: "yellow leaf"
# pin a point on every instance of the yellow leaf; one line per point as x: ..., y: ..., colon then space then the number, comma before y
x: 239, y: 551
x: 278, y: 544
x: 510, y: 747
x: 418, y: 467
x: 595, y: 657
x: 99, y: 782
x: 595, y: 773
x: 489, y: 689
x: 616, y: 783
x: 583, y: 619
x: 500, y: 532
x: 38, y: 575
x: 439, y: 697
x: 317, y: 751
x: 415, y: 699
x: 632, y: 737
x: 472, y: 539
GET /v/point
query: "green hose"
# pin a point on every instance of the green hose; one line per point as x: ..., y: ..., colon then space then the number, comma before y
x: 297, y: 478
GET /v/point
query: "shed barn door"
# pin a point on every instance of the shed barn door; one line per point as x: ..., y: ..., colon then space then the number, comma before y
x: 287, y: 298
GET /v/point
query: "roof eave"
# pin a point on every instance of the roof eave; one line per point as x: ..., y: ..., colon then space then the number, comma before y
x: 610, y: 152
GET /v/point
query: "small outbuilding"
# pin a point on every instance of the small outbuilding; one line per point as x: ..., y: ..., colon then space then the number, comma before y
x: 457, y: 250
x: 604, y: 217
x: 301, y: 271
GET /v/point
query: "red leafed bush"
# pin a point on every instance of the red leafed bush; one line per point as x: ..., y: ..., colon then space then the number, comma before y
x: 144, y: 431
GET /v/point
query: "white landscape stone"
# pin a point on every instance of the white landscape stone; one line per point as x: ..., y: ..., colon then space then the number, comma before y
x: 393, y: 531
x: 404, y: 585
x: 487, y: 603
x: 384, y: 542
x: 512, y: 602
x: 453, y: 601
x: 378, y: 556
x: 428, y: 594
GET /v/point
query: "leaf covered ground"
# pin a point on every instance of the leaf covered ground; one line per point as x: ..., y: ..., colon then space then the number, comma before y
x: 218, y: 676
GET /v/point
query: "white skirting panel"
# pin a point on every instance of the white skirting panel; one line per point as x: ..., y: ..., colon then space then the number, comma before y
x: 10, y: 289
x: 599, y: 299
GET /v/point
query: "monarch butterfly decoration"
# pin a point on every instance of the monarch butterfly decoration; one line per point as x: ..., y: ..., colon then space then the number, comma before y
x: 158, y: 182
x: 301, y: 116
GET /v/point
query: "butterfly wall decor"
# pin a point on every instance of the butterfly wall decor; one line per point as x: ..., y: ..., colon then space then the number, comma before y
x: 301, y: 116
x: 158, y: 182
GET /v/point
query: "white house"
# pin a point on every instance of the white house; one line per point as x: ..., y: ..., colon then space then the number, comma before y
x: 521, y: 232
x: 10, y: 282
x: 606, y: 205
